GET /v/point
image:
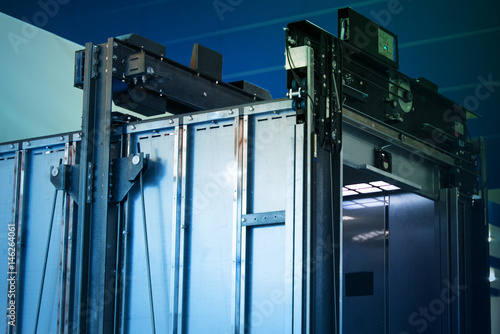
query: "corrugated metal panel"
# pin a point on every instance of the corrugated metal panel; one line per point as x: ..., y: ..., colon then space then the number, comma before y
x: 37, y: 196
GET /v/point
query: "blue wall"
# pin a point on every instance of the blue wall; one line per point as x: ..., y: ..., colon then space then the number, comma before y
x: 455, y: 44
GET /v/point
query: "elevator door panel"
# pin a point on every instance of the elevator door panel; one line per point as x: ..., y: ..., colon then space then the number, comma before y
x: 364, y: 239
x: 415, y: 301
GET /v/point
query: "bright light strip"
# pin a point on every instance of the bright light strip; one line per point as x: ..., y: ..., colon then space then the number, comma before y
x: 369, y: 190
x: 349, y: 193
x: 389, y: 187
x: 365, y: 188
x: 379, y: 184
x: 358, y: 186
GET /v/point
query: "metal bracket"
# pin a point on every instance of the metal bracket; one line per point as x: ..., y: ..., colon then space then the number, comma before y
x: 264, y: 218
x: 66, y: 177
x: 124, y: 172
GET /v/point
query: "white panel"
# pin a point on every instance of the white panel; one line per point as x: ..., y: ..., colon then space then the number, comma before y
x: 37, y: 93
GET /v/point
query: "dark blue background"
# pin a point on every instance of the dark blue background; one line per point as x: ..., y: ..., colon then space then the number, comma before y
x: 452, y: 43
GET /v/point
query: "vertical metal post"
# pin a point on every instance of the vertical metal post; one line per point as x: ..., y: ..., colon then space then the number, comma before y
x: 71, y: 227
x: 299, y: 274
x: 456, y: 262
x: 178, y: 173
x: 309, y: 140
x: 181, y: 226
x: 241, y: 133
x: 64, y: 251
x: 94, y: 296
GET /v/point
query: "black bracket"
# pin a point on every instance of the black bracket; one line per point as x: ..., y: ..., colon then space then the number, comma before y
x: 66, y: 177
x: 124, y: 174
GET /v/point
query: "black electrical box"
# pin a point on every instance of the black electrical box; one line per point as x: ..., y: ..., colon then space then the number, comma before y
x: 368, y: 36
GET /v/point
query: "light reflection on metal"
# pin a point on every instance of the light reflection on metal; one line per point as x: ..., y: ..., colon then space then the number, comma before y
x: 368, y: 236
x: 364, y: 203
x: 492, y: 277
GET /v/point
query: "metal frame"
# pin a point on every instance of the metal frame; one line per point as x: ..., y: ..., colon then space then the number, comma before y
x: 95, y: 238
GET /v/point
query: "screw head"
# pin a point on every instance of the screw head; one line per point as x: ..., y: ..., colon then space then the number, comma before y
x: 55, y: 171
x: 136, y: 159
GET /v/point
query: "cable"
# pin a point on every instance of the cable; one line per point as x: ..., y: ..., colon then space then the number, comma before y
x: 151, y: 305
x: 47, y: 247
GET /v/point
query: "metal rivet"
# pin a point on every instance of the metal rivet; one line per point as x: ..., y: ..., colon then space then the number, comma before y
x: 170, y: 121
x: 243, y: 220
x: 55, y: 171
x: 136, y: 159
x: 190, y: 118
x: 231, y: 112
x: 251, y: 109
x: 132, y: 127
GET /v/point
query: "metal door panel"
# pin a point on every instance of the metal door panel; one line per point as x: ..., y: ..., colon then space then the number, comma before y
x: 266, y: 268
x: 416, y: 303
x: 209, y: 228
x: 159, y: 198
x: 269, y: 147
x: 37, y: 209
x: 364, y: 253
x: 269, y: 247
